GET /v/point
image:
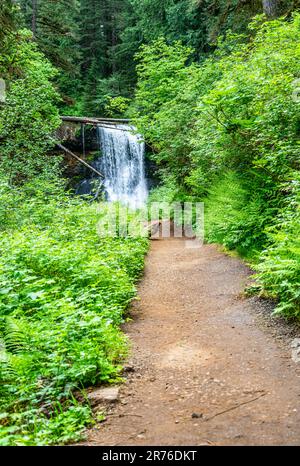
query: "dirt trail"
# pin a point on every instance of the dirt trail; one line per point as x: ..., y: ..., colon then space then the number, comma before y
x: 207, y: 369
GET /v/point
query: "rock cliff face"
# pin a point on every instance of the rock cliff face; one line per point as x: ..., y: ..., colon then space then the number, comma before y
x: 67, y: 132
x: 83, y: 142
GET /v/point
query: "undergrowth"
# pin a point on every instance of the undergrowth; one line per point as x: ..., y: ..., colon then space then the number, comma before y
x: 63, y: 294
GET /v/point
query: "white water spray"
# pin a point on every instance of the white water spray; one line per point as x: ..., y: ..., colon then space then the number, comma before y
x: 122, y: 164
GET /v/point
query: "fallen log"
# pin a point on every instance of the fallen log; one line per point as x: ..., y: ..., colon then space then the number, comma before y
x: 94, y: 121
x: 87, y: 121
x: 115, y: 120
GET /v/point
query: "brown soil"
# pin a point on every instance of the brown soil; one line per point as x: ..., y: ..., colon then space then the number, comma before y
x: 209, y: 368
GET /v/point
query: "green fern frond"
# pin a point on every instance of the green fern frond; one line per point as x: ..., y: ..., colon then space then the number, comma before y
x: 14, y: 337
x: 7, y: 371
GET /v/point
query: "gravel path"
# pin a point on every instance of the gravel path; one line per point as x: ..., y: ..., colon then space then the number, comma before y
x: 208, y: 366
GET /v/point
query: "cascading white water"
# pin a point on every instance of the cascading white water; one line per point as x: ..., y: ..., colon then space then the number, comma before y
x: 122, y: 164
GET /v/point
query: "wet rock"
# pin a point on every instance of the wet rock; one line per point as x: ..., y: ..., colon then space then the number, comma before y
x: 107, y: 394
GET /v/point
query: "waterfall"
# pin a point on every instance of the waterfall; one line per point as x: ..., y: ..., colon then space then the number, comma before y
x: 122, y: 164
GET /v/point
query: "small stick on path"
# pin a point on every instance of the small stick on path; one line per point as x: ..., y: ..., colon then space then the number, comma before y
x: 235, y: 407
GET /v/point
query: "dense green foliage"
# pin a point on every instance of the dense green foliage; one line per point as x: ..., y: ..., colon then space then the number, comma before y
x: 279, y: 270
x: 64, y: 289
x: 29, y: 115
x: 93, y: 42
x: 63, y: 293
x: 55, y: 28
x: 227, y: 131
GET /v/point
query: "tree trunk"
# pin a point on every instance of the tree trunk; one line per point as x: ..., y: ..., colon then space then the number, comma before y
x: 270, y: 8
x: 113, y: 35
x: 34, y: 17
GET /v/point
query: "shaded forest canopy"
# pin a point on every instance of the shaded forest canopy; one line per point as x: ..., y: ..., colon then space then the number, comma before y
x: 93, y: 42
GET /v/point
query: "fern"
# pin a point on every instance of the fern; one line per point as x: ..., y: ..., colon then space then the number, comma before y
x: 14, y: 337
x: 7, y: 371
